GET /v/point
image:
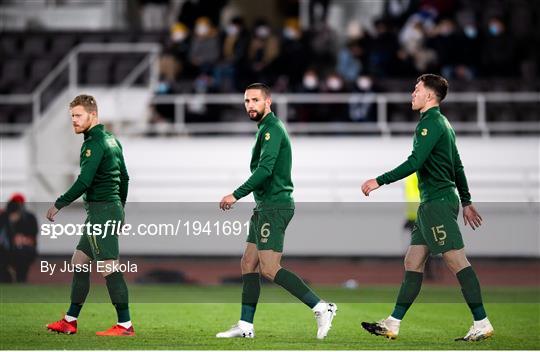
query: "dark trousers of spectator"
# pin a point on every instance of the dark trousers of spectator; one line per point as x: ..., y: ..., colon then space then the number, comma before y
x: 21, y: 260
x: 5, y: 275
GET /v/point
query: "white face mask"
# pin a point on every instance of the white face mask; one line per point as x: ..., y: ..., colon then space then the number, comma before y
x: 232, y: 30
x: 178, y: 36
x: 470, y: 31
x: 262, y: 32
x: 354, y: 30
x: 334, y: 83
x: 364, y: 83
x: 290, y: 33
x: 310, y: 81
x: 202, y: 29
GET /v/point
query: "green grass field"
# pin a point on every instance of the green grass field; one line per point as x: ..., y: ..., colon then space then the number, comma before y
x: 285, y: 325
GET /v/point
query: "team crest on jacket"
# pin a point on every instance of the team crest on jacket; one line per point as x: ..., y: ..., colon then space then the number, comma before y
x: 267, y: 136
x: 424, y: 132
x: 88, y: 153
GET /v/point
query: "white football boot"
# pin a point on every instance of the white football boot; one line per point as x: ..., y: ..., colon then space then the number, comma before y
x: 241, y: 329
x: 324, y: 314
x: 480, y: 330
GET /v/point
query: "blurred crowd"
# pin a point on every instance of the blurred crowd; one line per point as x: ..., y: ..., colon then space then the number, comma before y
x: 460, y: 39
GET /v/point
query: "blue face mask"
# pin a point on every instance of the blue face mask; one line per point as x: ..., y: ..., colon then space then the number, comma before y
x: 494, y: 30
x: 162, y: 88
x: 470, y: 32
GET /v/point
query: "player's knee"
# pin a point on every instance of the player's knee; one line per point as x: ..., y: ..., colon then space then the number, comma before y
x: 456, y: 261
x: 456, y: 266
x: 269, y: 271
x: 79, y: 258
x: 107, y: 267
x: 413, y: 265
x: 248, y: 265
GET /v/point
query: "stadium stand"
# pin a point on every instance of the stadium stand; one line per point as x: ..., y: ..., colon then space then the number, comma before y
x: 479, y: 51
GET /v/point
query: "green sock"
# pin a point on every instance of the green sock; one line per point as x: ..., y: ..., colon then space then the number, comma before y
x: 80, y: 285
x: 250, y: 295
x: 116, y: 285
x: 470, y: 287
x: 297, y: 287
x: 410, y: 287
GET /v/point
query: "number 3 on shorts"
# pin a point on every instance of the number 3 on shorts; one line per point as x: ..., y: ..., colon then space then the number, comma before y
x: 265, y: 232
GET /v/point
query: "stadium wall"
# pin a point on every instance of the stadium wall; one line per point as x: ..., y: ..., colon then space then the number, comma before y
x: 503, y: 175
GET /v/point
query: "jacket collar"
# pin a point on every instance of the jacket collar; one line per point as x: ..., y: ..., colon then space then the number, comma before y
x: 94, y: 131
x: 435, y: 109
x: 266, y: 119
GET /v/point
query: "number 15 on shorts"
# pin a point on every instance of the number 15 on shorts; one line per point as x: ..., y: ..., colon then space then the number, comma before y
x: 439, y: 234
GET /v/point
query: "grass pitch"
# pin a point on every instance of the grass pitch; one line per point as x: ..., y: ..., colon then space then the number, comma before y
x: 283, y: 325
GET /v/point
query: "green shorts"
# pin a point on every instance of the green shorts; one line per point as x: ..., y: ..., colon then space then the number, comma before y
x: 267, y: 228
x: 104, y: 245
x: 436, y: 225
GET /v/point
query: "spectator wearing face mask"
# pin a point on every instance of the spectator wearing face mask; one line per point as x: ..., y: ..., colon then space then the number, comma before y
x: 292, y: 60
x: 173, y: 67
x: 362, y: 107
x: 18, y: 239
x: 469, y: 53
x: 310, y: 82
x: 263, y: 52
x: 230, y: 72
x: 177, y: 48
x: 308, y: 112
x: 338, y: 111
x: 205, y: 50
x: 498, y: 50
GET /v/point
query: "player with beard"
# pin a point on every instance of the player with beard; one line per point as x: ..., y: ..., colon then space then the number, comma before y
x: 271, y: 184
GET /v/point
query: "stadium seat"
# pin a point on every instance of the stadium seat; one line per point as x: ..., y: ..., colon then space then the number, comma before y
x: 22, y: 114
x: 153, y: 37
x: 529, y: 112
x: 61, y: 44
x: 91, y: 38
x: 5, y: 113
x: 98, y: 71
x: 500, y: 112
x: 120, y: 38
x: 9, y: 45
x: 35, y: 45
x: 14, y: 69
x: 122, y: 67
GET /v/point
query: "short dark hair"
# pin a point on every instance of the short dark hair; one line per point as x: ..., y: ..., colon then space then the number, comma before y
x: 88, y: 102
x: 262, y: 87
x: 436, y: 83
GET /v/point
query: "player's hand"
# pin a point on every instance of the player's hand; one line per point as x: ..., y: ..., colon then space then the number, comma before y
x: 471, y: 217
x: 51, y: 213
x: 227, y: 202
x: 369, y: 185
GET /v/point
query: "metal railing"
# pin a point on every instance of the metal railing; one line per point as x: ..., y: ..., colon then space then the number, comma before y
x: 70, y: 63
x: 382, y: 125
x: 282, y: 102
